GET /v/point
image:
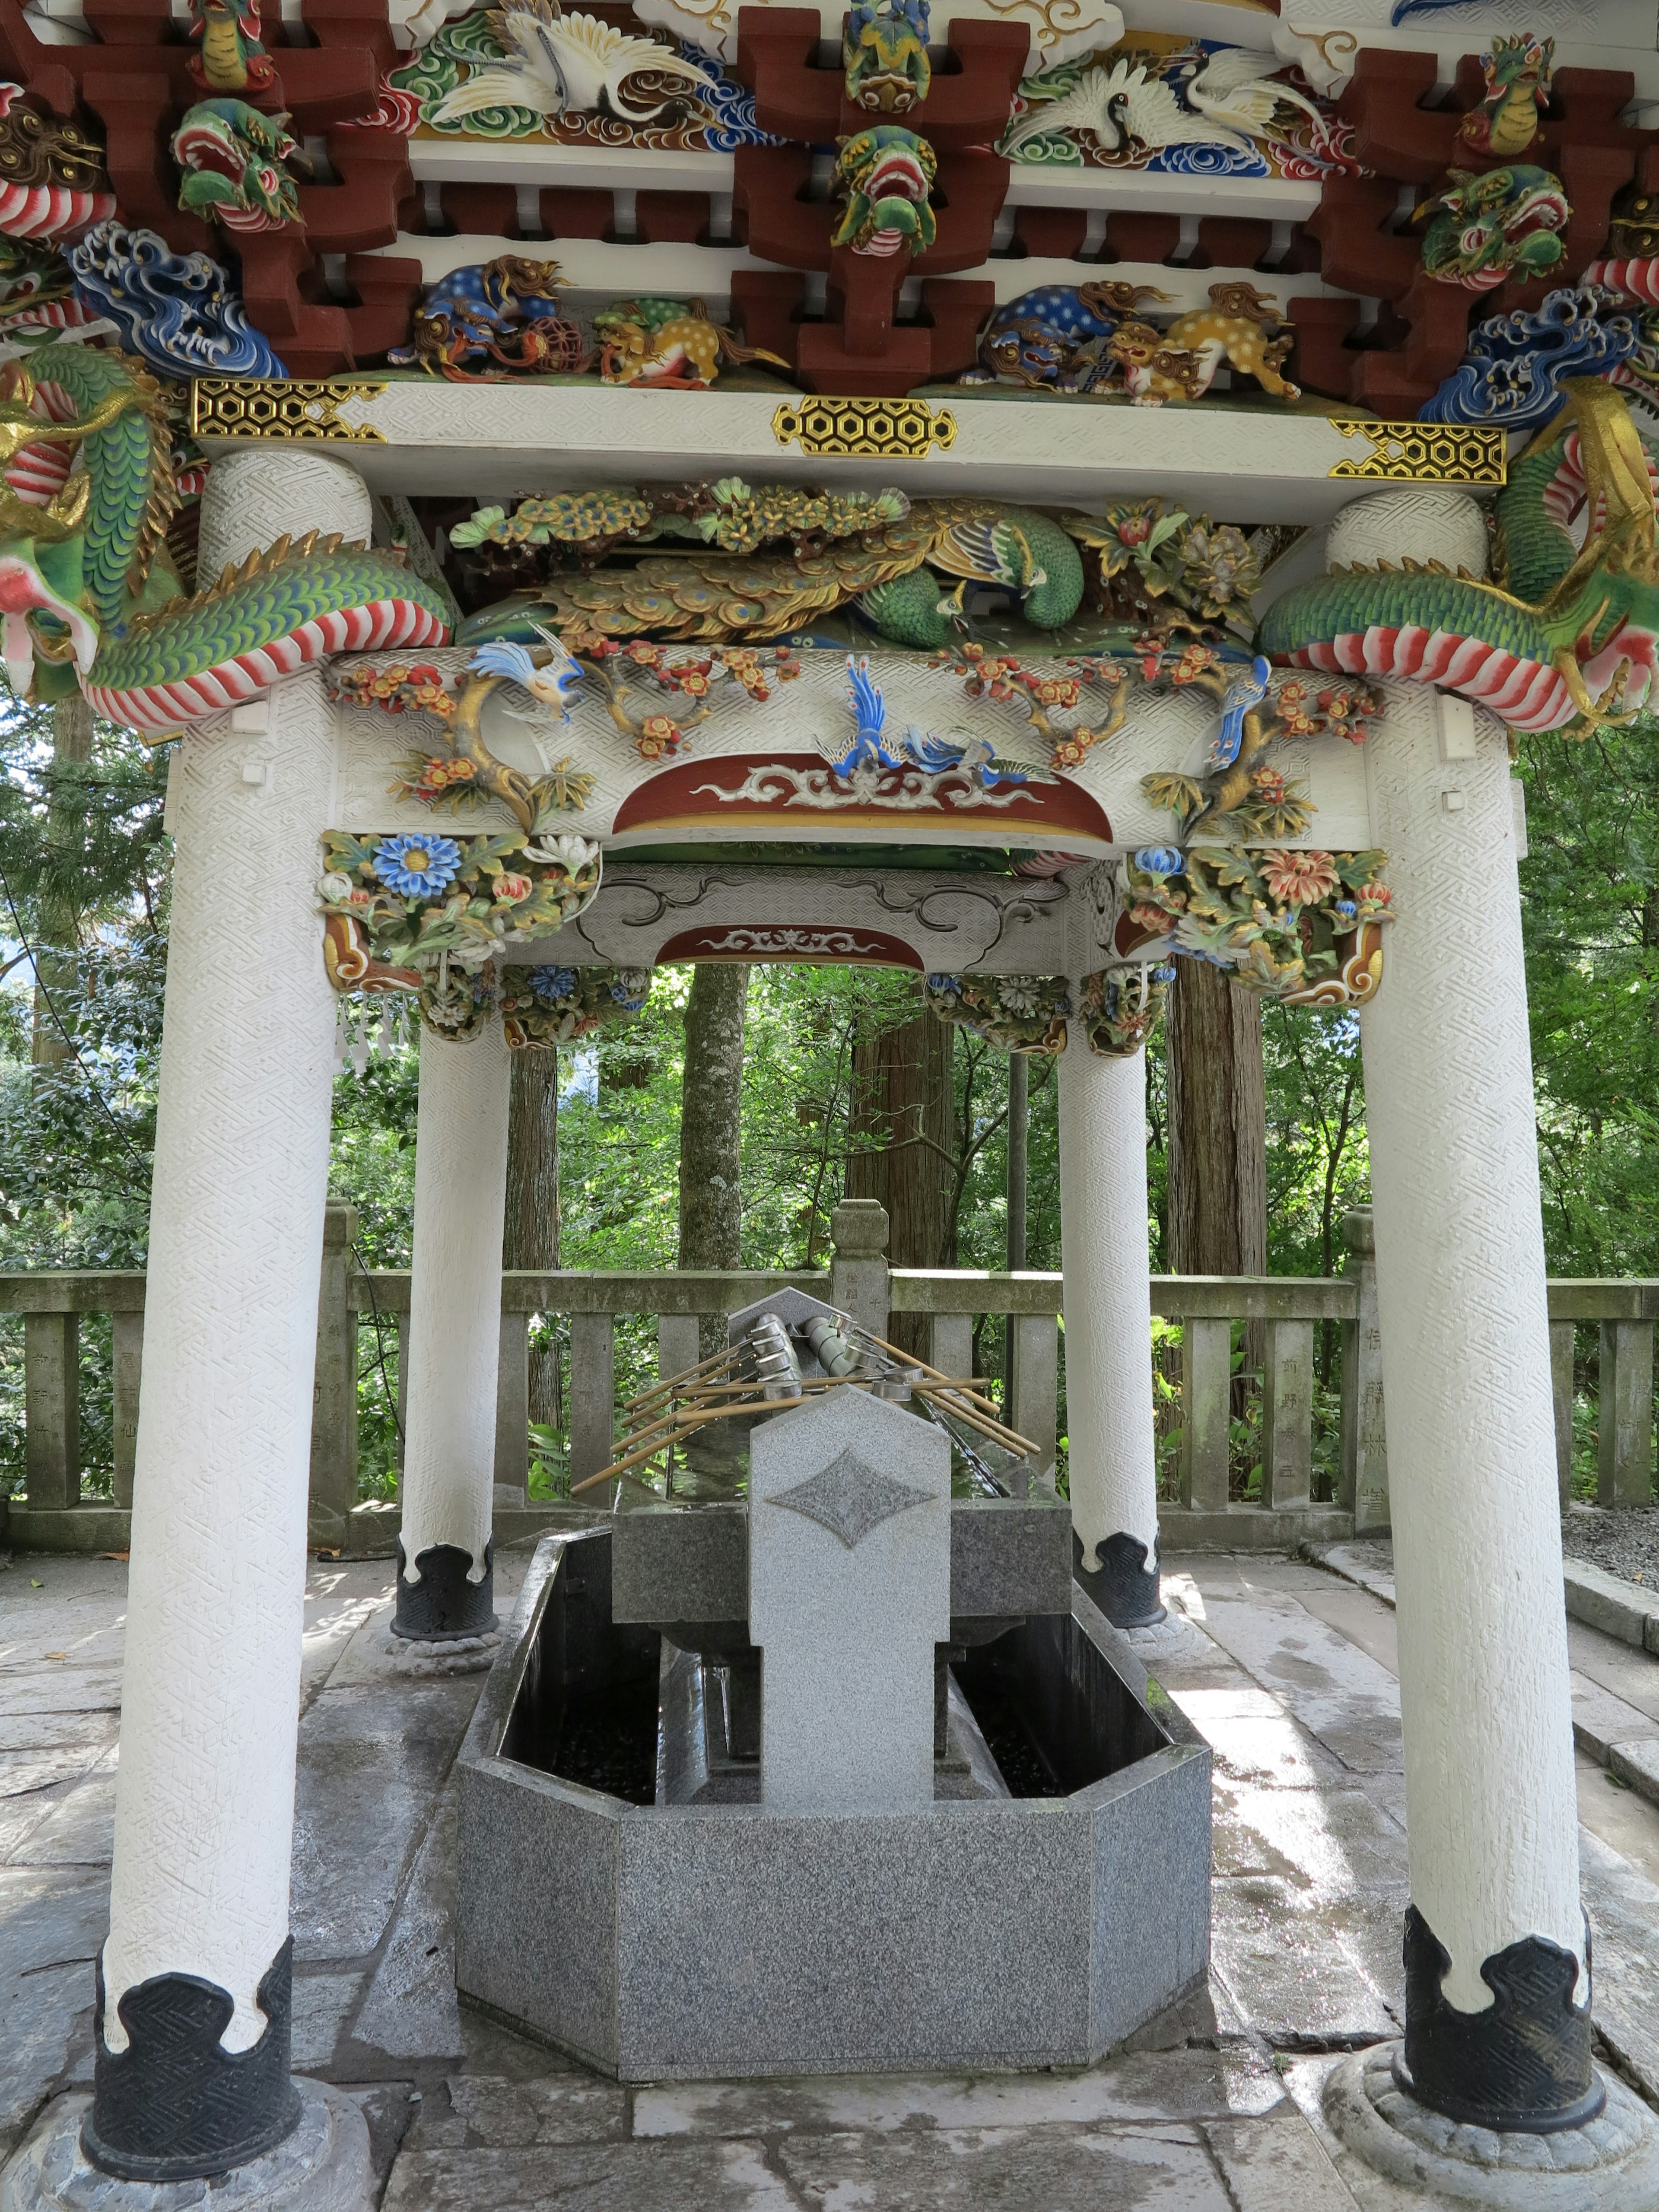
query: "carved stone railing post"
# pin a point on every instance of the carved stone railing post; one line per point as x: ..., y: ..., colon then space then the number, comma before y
x: 593, y: 1392
x: 51, y: 1408
x: 1624, y: 1429
x: 858, y: 1276
x: 1364, y: 1488
x: 334, y: 1398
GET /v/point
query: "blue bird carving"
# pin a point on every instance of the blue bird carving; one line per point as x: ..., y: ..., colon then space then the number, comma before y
x: 975, y: 755
x: 547, y: 683
x: 1244, y: 692
x: 869, y: 713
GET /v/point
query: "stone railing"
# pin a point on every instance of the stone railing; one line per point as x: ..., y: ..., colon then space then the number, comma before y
x: 53, y: 1516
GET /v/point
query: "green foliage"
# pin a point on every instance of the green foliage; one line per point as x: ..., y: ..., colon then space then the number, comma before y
x: 1590, y: 918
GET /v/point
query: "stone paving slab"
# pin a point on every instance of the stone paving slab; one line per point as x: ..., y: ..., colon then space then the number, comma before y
x: 1063, y: 2169
x: 719, y: 2176
x: 56, y: 1687
x: 1295, y: 1973
x: 1638, y: 1763
x: 371, y: 1765
x: 1271, y: 2167
x: 1164, y: 2084
x: 321, y: 2005
x: 1600, y: 1719
x: 79, y: 1831
x: 411, y: 2010
x: 53, y: 1926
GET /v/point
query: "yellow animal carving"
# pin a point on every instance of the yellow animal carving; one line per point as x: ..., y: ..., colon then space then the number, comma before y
x: 1181, y: 362
x: 683, y: 352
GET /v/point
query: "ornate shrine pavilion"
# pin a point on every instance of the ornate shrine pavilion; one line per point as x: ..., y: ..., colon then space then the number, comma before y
x: 1021, y: 491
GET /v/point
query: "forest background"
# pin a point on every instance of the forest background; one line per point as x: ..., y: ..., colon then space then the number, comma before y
x: 800, y: 1085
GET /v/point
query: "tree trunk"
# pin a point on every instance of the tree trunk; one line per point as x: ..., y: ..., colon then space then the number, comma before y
x: 711, y: 1123
x: 1217, y: 1125
x: 58, y: 983
x: 903, y: 1109
x: 1020, y: 1102
x: 1218, y: 1214
x: 532, y: 1233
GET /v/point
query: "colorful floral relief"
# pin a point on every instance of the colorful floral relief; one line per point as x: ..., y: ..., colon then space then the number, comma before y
x: 397, y: 908
x: 1120, y: 1007
x: 1179, y: 106
x: 1016, y: 1013
x: 1305, y: 927
x: 552, y: 1005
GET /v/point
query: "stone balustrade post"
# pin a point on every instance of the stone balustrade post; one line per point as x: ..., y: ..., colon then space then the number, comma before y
x: 446, y: 1558
x: 1365, y: 1484
x: 1623, y: 1427
x: 858, y: 1274
x: 126, y: 1374
x: 513, y: 1411
x: 192, y: 2041
x: 51, y: 1408
x: 334, y: 1396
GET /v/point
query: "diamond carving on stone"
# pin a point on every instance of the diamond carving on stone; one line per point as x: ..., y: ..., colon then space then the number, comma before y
x: 850, y: 1499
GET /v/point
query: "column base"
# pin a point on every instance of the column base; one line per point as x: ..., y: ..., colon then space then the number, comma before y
x: 322, y: 2166
x: 1608, y: 2164
x: 1523, y: 2063
x: 1125, y: 1584
x: 443, y: 1605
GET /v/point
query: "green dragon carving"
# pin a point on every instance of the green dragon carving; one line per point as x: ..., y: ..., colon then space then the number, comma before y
x: 232, y: 163
x: 1569, y: 643
x: 887, y: 173
x: 87, y: 591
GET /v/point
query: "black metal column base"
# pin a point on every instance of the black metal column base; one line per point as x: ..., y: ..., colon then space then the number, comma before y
x: 1524, y: 2064
x: 175, y: 2106
x: 1125, y: 1584
x: 443, y: 1605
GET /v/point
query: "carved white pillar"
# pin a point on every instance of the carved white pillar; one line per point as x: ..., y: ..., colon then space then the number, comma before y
x: 1108, y: 1329
x: 444, y: 1565
x: 192, y: 2059
x: 1485, y: 1702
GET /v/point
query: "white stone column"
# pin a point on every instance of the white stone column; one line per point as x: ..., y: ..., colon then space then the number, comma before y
x: 192, y: 2063
x: 1485, y: 1701
x: 445, y: 1579
x: 1108, y: 1329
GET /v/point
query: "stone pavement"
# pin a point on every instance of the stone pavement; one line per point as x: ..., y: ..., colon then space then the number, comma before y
x: 1289, y: 1672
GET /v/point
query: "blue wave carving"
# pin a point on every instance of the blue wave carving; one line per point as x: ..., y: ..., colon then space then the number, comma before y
x: 731, y: 104
x: 1208, y: 161
x: 179, y: 311
x: 1516, y: 362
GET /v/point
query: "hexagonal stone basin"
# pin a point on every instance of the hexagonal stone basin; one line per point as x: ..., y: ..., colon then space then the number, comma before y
x: 660, y: 1941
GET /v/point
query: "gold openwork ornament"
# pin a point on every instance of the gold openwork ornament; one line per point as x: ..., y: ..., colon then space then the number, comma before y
x: 1428, y: 452
x: 880, y: 429
x: 275, y: 407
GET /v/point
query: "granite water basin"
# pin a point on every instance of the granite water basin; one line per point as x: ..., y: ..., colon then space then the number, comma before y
x: 662, y: 1941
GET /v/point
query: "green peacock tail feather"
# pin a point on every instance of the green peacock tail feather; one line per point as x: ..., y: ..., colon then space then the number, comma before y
x: 1055, y: 601
x: 252, y: 611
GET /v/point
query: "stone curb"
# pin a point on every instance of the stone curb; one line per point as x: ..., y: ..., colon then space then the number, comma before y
x: 1625, y: 1610
x: 1629, y: 1610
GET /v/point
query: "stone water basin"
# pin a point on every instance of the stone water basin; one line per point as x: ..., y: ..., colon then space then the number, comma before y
x: 658, y: 1940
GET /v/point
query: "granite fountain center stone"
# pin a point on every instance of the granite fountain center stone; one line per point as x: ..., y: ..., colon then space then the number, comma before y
x: 849, y: 1592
